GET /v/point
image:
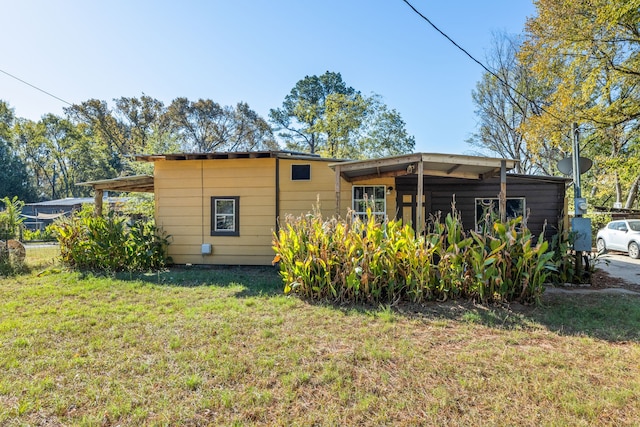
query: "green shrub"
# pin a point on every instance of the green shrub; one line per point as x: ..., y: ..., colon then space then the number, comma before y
x: 10, y: 220
x: 371, y: 262
x: 109, y: 243
x: 46, y: 235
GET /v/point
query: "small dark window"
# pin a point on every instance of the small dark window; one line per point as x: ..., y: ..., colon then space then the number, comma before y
x: 225, y: 216
x: 300, y: 172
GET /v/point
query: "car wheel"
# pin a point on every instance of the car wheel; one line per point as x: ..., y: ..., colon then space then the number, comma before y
x: 634, y: 250
x: 601, y: 246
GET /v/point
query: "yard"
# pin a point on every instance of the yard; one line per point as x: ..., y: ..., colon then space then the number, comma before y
x: 221, y: 346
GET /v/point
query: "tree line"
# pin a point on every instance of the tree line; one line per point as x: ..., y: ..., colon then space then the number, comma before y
x: 575, y: 62
x: 95, y: 140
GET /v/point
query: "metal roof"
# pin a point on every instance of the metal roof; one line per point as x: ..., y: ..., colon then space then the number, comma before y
x: 67, y: 202
x: 447, y: 165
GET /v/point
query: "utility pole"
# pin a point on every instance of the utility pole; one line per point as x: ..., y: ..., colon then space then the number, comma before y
x: 575, y: 139
x: 580, y: 226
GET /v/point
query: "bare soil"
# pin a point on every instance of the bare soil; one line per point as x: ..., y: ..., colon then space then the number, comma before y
x: 600, y: 280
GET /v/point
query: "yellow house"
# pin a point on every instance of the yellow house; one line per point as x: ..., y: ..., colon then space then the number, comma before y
x: 222, y: 208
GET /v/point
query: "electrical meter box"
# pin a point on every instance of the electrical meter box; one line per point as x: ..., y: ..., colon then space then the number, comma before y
x: 581, y: 228
x: 580, y: 206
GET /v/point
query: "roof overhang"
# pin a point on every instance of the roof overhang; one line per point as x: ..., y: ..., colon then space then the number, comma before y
x: 447, y: 165
x: 220, y: 155
x: 135, y: 184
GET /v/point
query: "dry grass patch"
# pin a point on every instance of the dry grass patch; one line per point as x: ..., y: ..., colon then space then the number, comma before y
x: 224, y: 347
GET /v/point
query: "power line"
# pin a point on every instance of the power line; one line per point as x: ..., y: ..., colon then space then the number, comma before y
x: 36, y: 87
x: 500, y: 79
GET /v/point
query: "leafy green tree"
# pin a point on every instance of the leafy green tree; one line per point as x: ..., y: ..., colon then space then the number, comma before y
x: 59, y: 154
x: 589, y: 54
x: 325, y: 116
x: 206, y: 126
x: 304, y: 108
x: 343, y: 116
x: 14, y: 176
x: 383, y: 133
x: 108, y: 133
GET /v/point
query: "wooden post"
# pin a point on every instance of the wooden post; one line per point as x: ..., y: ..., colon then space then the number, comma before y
x: 338, y: 190
x: 97, y: 211
x: 420, y: 206
x: 503, y: 191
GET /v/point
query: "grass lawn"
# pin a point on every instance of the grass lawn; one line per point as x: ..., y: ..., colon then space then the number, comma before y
x: 224, y: 347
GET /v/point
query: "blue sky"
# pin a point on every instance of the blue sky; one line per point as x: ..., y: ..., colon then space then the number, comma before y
x: 255, y: 51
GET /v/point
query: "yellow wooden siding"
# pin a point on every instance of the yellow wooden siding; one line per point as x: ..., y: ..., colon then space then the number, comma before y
x: 300, y: 197
x: 224, y: 260
x: 183, y: 208
x: 183, y: 191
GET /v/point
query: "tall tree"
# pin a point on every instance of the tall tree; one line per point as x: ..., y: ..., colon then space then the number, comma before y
x: 60, y: 154
x: 14, y: 178
x: 105, y: 129
x: 139, y: 119
x: 304, y: 108
x: 206, y: 126
x: 382, y: 133
x: 589, y: 52
x: 503, y: 104
x: 325, y: 116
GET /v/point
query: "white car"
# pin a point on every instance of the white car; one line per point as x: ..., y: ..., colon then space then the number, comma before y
x: 620, y: 235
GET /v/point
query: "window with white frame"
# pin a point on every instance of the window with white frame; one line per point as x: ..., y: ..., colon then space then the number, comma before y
x: 488, y: 209
x: 225, y: 216
x: 370, y: 197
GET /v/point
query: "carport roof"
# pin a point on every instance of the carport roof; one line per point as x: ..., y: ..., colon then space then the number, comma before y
x: 448, y: 165
x: 136, y: 183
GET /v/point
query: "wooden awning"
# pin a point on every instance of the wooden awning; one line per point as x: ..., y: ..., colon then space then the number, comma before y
x: 421, y: 164
x: 132, y: 184
x: 433, y: 164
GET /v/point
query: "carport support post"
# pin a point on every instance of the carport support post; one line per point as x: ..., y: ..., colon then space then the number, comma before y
x: 503, y: 191
x: 338, y: 190
x: 420, y: 206
x: 97, y: 211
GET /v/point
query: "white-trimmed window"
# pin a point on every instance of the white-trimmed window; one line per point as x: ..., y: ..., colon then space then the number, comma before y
x: 225, y: 216
x: 372, y: 197
x: 487, y: 209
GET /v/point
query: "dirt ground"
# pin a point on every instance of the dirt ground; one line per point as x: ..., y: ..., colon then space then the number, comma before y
x: 600, y: 279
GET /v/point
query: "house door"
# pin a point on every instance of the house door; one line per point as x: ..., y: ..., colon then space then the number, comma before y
x: 407, y: 206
